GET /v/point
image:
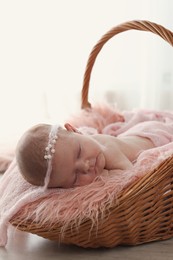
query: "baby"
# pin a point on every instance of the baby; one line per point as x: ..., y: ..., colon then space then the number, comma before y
x: 66, y: 158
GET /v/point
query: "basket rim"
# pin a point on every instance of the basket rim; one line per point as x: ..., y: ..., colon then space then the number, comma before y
x: 140, y: 25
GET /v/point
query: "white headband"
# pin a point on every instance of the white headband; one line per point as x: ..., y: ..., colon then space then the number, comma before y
x: 49, y: 152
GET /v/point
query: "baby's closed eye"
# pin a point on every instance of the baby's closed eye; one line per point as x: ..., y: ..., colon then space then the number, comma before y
x: 79, y: 151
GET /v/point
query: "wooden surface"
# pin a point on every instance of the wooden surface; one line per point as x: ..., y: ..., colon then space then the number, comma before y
x: 24, y: 246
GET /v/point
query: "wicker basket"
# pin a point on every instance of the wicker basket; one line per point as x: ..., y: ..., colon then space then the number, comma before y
x: 144, y: 211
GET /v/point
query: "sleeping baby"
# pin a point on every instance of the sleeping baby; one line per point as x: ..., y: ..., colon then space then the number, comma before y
x: 65, y: 158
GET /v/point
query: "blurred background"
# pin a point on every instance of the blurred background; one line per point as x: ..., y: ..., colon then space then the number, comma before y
x: 44, y: 48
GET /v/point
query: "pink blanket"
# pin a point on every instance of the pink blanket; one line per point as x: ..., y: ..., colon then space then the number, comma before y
x: 73, y: 205
x: 131, y: 118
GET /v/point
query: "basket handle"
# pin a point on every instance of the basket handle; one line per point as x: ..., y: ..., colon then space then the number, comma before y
x: 142, y: 25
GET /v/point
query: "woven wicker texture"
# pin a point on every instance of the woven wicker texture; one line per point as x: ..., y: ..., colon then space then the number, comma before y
x: 144, y: 211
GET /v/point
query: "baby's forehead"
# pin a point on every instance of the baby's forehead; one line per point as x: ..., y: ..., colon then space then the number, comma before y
x: 65, y: 139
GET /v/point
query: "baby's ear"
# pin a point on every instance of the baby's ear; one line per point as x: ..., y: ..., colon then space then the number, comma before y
x: 71, y: 128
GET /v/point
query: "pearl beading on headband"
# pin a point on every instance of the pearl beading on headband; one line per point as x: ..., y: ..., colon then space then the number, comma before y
x: 49, y: 152
x: 50, y: 149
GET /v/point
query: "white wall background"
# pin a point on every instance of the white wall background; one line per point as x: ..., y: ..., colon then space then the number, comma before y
x: 44, y: 47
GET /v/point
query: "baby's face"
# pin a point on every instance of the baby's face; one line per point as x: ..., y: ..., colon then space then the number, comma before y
x: 78, y: 160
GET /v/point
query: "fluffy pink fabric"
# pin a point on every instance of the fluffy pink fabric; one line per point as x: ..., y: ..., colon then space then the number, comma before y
x: 5, y: 161
x: 97, y: 117
x: 6, y: 157
x: 71, y: 206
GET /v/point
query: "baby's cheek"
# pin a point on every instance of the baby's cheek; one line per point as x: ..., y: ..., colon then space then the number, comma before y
x: 85, y: 179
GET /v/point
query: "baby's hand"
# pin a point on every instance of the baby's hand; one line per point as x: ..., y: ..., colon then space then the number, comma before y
x: 111, y: 129
x: 71, y: 128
